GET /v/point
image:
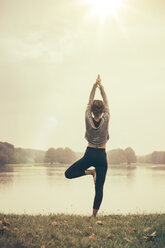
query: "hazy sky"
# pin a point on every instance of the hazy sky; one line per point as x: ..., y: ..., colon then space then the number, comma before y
x: 50, y: 54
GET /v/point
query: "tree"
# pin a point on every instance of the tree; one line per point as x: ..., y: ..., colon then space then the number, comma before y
x: 50, y: 155
x: 3, y: 158
x: 6, y: 153
x: 130, y: 155
x: 158, y: 157
x: 68, y: 156
x: 60, y: 155
x: 116, y: 156
x: 20, y: 156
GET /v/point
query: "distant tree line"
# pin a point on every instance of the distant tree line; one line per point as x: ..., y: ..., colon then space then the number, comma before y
x: 156, y: 157
x: 60, y: 155
x: 11, y: 155
x: 118, y: 156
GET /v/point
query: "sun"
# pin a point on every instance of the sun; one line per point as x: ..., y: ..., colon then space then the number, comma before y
x: 103, y: 8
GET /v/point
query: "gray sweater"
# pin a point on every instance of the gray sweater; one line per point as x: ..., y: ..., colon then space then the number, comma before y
x: 97, y: 136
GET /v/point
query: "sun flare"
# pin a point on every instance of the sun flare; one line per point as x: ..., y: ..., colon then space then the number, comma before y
x: 103, y: 8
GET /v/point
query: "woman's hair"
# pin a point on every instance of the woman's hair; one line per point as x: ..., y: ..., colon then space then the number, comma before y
x: 97, y: 107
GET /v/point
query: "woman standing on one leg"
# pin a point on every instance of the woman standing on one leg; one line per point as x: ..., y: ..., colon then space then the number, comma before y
x: 97, y: 136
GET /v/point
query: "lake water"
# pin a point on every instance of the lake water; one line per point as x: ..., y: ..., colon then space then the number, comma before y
x: 44, y: 190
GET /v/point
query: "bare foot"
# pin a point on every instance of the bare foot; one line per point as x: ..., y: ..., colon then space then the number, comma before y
x: 91, y: 217
x: 91, y: 172
x: 94, y: 175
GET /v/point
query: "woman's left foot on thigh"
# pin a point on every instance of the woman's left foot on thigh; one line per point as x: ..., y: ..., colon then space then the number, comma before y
x: 94, y: 175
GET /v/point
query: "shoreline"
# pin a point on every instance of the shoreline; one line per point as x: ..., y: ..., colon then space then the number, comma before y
x: 133, y: 165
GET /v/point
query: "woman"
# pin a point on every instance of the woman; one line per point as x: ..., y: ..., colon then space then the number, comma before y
x: 97, y: 135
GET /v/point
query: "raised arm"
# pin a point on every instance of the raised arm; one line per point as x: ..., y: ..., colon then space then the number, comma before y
x: 103, y: 94
x: 92, y: 94
x: 105, y: 100
x: 91, y: 98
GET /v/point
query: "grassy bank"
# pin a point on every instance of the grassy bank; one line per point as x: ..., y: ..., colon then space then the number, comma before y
x: 52, y: 231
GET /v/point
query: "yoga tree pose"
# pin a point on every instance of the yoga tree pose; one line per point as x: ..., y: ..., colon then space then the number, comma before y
x: 97, y: 135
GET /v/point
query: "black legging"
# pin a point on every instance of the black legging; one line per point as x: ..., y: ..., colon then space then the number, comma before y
x: 93, y: 157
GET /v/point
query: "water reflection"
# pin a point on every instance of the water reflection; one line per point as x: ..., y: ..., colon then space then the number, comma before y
x: 44, y: 189
x: 6, y: 176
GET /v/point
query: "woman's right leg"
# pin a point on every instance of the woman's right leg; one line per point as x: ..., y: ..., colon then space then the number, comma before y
x: 78, y: 168
x: 100, y: 179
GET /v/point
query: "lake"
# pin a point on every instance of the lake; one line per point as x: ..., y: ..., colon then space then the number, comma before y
x: 44, y: 190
